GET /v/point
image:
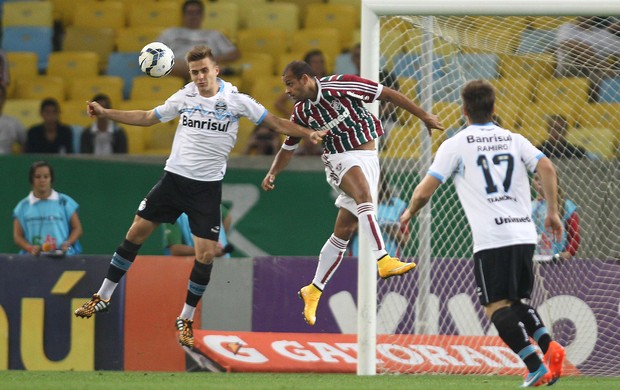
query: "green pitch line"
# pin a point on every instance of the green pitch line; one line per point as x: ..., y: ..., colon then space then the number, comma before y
x: 107, y: 380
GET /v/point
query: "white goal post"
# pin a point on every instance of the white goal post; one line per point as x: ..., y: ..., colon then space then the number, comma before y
x: 373, y: 13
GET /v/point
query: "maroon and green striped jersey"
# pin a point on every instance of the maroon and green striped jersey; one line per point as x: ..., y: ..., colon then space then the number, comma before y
x: 339, y: 108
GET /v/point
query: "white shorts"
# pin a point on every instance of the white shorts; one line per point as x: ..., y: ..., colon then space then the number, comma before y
x: 338, y: 164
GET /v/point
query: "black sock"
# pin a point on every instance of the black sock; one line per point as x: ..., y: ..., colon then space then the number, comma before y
x: 513, y: 333
x: 122, y: 259
x: 198, y: 281
x: 533, y: 324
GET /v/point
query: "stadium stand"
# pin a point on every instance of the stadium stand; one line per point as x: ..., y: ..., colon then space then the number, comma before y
x: 84, y: 88
x: 338, y: 16
x: 29, y: 39
x: 25, y: 110
x: 108, y: 14
x: 100, y: 40
x: 148, y: 88
x: 273, y: 41
x: 124, y: 65
x: 223, y: 17
x: 41, y: 87
x: 133, y: 39
x: 22, y: 65
x: 268, y: 15
x: 160, y: 14
x: 27, y: 13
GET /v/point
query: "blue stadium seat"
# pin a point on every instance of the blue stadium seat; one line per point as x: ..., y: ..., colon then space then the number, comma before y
x: 28, y: 38
x: 610, y: 90
x: 536, y: 41
x: 409, y: 65
x: 124, y: 65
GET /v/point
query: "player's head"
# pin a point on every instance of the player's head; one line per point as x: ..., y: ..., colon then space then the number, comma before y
x: 192, y: 14
x: 478, y: 101
x: 299, y: 79
x: 203, y: 69
x: 40, y: 170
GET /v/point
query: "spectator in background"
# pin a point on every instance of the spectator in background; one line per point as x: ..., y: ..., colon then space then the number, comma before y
x: 183, y: 39
x: 46, y: 221
x: 12, y: 132
x: 262, y: 142
x: 389, y: 209
x: 104, y: 136
x: 547, y: 247
x: 50, y: 136
x: 583, y: 49
x: 178, y: 240
x: 556, y: 145
x: 4, y: 69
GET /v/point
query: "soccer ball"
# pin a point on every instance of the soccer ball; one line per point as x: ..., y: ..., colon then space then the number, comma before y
x: 156, y: 59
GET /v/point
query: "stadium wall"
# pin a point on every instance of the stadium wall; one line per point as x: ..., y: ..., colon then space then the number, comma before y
x: 109, y: 191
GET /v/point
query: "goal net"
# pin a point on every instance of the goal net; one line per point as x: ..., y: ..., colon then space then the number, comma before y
x: 555, y: 91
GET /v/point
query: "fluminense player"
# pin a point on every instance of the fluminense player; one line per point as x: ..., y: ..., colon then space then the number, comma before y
x: 336, y: 104
x: 489, y: 166
x: 209, y: 110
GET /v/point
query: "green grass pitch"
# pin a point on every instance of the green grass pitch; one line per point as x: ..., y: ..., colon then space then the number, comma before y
x: 107, y: 380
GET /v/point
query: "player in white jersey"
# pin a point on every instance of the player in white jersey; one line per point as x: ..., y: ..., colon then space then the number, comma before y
x: 489, y: 166
x: 209, y: 110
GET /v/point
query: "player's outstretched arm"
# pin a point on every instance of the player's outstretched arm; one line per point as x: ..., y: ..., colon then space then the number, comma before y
x: 289, y: 128
x: 421, y: 195
x: 134, y: 117
x: 283, y: 157
x: 395, y: 97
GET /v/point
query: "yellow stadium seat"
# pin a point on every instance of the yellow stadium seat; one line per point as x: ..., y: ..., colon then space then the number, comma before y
x: 531, y: 66
x: 110, y: 14
x: 223, y: 17
x: 325, y: 39
x: 339, y: 16
x: 160, y: 138
x: 143, y: 104
x: 600, y: 141
x: 565, y: 89
x: 282, y: 15
x: 73, y: 112
x: 96, y: 39
x: 601, y: 115
x: 41, y: 87
x: 64, y: 10
x: 512, y: 96
x: 301, y: 4
x: 273, y: 41
x: 27, y: 13
x: 287, y: 58
x: 406, y: 142
x: 245, y: 9
x: 243, y: 135
x: 71, y: 64
x: 135, y: 139
x: 160, y: 14
x: 85, y: 88
x: 149, y: 88
x: 22, y: 65
x: 133, y: 39
x: 267, y: 90
x: 451, y: 115
x: 25, y: 110
x: 253, y: 66
x: 356, y: 4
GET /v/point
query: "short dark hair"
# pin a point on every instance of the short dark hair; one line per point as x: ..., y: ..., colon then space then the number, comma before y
x: 49, y: 102
x: 312, y: 53
x: 479, y: 100
x: 298, y: 69
x: 199, y: 53
x: 39, y: 164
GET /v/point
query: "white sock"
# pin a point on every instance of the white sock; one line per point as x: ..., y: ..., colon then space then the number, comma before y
x: 329, y: 260
x: 107, y: 289
x: 188, y: 312
x: 369, y: 229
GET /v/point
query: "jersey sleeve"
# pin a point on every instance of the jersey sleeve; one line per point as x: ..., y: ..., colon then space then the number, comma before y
x: 251, y: 109
x: 446, y: 161
x: 170, y: 109
x: 529, y: 153
x: 357, y: 87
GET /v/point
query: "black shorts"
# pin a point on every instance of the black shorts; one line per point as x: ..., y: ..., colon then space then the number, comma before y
x: 174, y: 194
x: 504, y: 273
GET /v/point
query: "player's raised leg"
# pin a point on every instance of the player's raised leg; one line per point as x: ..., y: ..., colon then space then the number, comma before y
x: 121, y: 261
